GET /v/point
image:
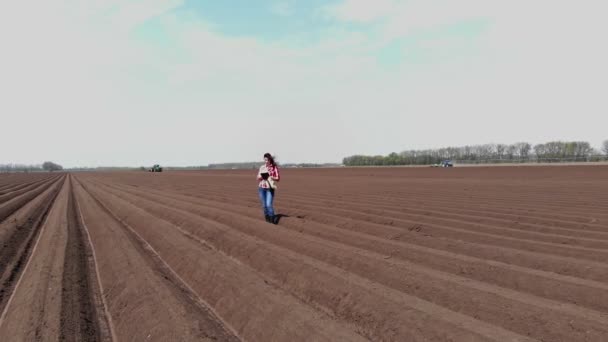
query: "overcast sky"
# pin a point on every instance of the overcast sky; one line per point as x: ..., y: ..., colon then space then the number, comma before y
x: 125, y: 82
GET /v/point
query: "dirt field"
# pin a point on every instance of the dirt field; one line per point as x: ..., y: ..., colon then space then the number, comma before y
x: 386, y: 254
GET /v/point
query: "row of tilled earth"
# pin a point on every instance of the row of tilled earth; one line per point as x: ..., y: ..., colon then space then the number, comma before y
x: 381, y: 254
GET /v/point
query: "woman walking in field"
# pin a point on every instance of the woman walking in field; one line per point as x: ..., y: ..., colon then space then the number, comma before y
x: 268, y: 177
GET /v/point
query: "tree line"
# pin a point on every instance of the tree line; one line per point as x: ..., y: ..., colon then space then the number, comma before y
x: 554, y: 151
x: 46, y: 166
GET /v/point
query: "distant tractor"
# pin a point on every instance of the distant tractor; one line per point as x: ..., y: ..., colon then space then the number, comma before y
x: 444, y: 163
x: 155, y: 168
x: 447, y: 163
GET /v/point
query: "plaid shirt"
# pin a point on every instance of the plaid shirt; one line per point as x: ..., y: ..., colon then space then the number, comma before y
x: 273, y: 172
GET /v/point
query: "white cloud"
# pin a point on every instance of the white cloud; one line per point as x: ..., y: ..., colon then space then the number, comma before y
x: 283, y: 8
x: 88, y: 92
x: 361, y: 11
x: 133, y: 13
x: 65, y: 79
x: 398, y: 18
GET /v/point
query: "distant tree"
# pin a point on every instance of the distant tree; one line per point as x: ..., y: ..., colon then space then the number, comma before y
x: 50, y: 166
x: 393, y: 159
x: 605, y: 147
x: 554, y: 149
x: 511, y: 151
x: 501, y: 150
x: 523, y: 150
x: 540, y: 151
x: 19, y: 168
x: 582, y: 149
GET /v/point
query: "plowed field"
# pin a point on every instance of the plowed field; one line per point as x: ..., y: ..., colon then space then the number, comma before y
x: 366, y: 254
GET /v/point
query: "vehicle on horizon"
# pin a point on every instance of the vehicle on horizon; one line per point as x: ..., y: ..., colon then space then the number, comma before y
x: 444, y: 163
x: 155, y: 168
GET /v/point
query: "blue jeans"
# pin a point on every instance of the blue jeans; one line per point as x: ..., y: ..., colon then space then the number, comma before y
x: 266, y: 197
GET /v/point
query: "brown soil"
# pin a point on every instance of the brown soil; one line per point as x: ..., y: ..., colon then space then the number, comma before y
x: 79, y: 321
x: 382, y: 254
x: 18, y: 235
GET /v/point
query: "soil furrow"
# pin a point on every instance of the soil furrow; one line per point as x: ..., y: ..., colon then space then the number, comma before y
x: 557, y: 264
x: 592, y: 239
x: 225, y: 284
x: 591, y: 294
x: 414, y: 205
x: 446, y: 197
x: 79, y: 318
x: 328, y: 283
x: 11, y: 206
x: 17, y: 245
x: 573, y: 290
x: 17, y: 190
x: 359, y: 253
x: 140, y: 285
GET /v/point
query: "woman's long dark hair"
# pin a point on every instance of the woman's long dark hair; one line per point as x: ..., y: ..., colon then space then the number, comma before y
x: 270, y: 159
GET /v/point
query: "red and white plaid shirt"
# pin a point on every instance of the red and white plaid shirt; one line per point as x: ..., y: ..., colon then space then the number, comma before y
x: 273, y: 172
